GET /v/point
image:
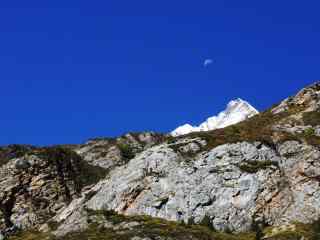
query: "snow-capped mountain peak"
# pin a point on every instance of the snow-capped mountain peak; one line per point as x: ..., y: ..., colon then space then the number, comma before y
x: 237, y: 110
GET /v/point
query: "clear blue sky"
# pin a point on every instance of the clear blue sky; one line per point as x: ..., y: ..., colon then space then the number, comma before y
x: 73, y: 70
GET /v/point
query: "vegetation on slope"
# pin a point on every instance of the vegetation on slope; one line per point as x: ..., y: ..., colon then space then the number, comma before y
x: 296, y: 231
x: 255, y: 166
x: 126, y: 151
x: 258, y: 128
x: 144, y: 227
x: 83, y: 173
x: 311, y: 118
x: 121, y: 227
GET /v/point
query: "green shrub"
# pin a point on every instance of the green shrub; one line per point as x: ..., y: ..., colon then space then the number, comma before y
x: 126, y: 151
x: 308, y: 132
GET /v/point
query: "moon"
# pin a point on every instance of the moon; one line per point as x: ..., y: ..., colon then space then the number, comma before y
x: 207, y: 62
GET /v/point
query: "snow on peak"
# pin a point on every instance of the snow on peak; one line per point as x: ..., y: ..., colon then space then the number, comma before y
x: 237, y: 110
x: 184, y: 129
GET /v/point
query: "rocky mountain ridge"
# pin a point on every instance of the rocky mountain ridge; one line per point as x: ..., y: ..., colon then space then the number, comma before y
x: 259, y: 178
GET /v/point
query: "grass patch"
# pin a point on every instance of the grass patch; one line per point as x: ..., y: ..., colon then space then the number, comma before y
x: 154, y: 228
x: 311, y: 118
x: 300, y: 231
x: 31, y: 235
x: 309, y: 136
x: 313, y: 140
x: 257, y: 128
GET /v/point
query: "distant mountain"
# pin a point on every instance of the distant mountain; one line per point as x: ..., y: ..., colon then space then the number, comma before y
x: 237, y: 110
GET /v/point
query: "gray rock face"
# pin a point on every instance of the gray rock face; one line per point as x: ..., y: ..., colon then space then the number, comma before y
x: 100, y: 153
x: 308, y: 97
x: 317, y: 131
x: 301, y: 169
x: 227, y: 184
x: 160, y: 184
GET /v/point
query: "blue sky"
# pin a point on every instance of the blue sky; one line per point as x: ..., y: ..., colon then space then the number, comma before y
x: 73, y: 70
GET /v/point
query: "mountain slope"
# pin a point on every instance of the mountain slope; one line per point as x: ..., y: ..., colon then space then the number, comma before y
x: 260, y: 175
x: 237, y: 110
x: 264, y: 170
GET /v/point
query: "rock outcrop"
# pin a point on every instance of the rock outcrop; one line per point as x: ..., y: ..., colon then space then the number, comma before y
x: 110, y: 152
x: 38, y: 183
x: 233, y: 184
